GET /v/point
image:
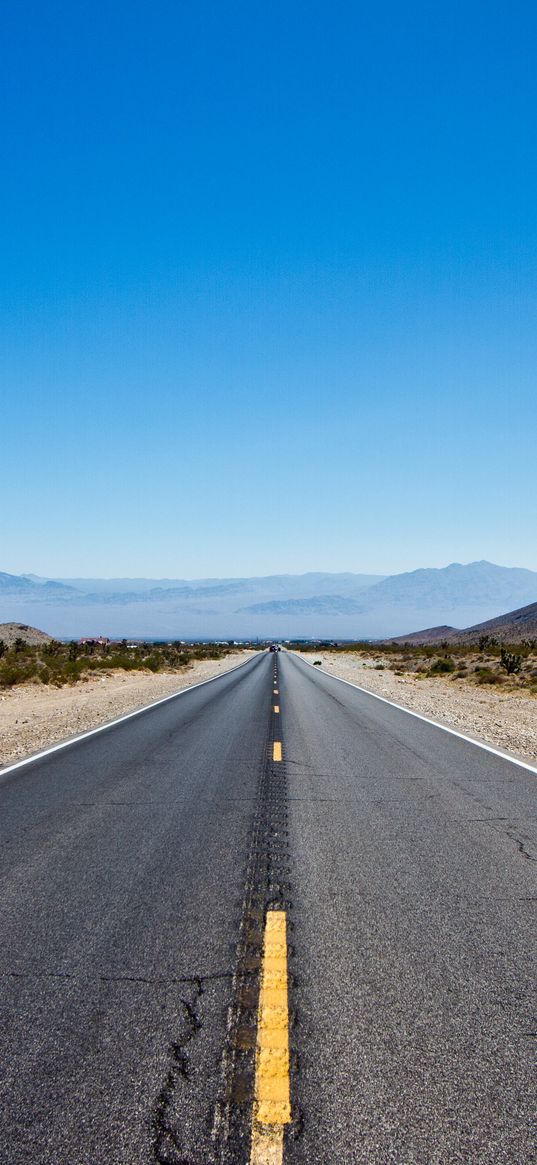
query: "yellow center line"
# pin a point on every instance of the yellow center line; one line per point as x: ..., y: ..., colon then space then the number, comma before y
x: 277, y: 750
x: 272, y: 1102
x: 276, y: 707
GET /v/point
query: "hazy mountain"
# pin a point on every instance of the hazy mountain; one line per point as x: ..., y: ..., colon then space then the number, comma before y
x: 42, y: 591
x: 478, y: 583
x: 311, y: 583
x: 316, y: 604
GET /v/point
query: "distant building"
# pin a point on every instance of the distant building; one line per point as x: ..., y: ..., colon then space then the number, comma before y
x: 98, y: 641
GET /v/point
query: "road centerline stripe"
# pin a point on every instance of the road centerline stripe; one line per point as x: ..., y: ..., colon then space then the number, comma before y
x: 272, y: 1101
x: 276, y: 707
x: 277, y: 750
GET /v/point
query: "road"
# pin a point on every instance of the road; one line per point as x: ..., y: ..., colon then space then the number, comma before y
x: 137, y: 866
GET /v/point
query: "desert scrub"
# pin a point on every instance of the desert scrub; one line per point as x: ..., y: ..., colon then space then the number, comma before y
x: 510, y: 661
x: 59, y: 663
x: 11, y: 673
x: 442, y: 667
x: 486, y: 675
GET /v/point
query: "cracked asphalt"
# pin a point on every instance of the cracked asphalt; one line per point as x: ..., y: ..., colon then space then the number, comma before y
x: 407, y: 861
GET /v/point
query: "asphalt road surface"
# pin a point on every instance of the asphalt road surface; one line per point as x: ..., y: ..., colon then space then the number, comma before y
x: 137, y: 866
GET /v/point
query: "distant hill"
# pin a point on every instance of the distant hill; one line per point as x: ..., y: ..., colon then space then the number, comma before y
x: 429, y: 636
x: 316, y: 605
x: 9, y: 632
x: 26, y: 586
x: 276, y: 585
x: 510, y: 628
x: 457, y: 586
x: 313, y: 605
x: 513, y: 627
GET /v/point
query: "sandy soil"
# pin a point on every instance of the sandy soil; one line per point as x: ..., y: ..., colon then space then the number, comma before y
x: 506, y: 720
x: 33, y: 716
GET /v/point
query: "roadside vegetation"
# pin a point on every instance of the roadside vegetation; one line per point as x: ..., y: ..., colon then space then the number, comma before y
x: 67, y: 663
x: 511, y: 667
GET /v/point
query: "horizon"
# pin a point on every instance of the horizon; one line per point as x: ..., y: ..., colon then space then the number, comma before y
x: 311, y: 605
x: 272, y: 574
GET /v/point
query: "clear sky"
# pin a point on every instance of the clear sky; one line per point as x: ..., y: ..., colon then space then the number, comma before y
x: 268, y: 285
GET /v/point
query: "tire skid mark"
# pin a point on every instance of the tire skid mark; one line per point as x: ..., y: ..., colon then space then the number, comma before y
x: 267, y: 886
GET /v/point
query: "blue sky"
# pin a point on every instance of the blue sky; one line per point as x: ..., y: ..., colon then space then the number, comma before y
x: 268, y: 286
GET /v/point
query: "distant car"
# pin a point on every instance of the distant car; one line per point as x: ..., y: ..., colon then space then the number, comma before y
x: 273, y: 647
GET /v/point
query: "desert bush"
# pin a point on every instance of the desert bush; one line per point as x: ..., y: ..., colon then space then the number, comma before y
x: 486, y: 675
x: 52, y: 649
x: 510, y: 661
x: 442, y: 666
x: 16, y: 673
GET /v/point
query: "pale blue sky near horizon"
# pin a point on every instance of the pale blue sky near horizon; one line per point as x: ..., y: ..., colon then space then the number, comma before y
x: 268, y: 286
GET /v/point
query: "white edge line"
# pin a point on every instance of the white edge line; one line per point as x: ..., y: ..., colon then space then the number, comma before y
x: 111, y: 723
x: 427, y: 720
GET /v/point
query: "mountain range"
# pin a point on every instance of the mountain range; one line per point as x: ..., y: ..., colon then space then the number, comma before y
x: 313, y: 605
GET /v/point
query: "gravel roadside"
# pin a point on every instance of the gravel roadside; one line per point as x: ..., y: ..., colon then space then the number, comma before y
x: 32, y: 716
x: 504, y: 720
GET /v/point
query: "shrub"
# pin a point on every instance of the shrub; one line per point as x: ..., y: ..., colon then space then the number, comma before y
x: 441, y: 666
x: 511, y: 662
x: 52, y: 649
x: 16, y: 673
